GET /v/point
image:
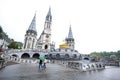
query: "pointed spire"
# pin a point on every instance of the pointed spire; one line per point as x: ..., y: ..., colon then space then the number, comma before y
x: 49, y: 16
x: 33, y: 24
x: 49, y: 12
x: 70, y: 35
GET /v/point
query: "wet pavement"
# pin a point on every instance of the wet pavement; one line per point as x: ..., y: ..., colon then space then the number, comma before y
x: 55, y: 72
x: 32, y: 72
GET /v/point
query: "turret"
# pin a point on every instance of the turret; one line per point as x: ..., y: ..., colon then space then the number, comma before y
x: 70, y: 39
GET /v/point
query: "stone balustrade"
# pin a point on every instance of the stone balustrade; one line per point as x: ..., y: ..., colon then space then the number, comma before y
x: 85, y: 66
x: 22, y: 50
x: 19, y: 60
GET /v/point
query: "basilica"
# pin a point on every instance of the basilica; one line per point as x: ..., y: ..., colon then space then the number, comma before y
x: 33, y: 47
x: 44, y: 40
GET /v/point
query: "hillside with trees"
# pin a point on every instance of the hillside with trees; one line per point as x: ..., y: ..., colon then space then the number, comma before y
x: 4, y: 36
x: 106, y: 54
x: 12, y: 44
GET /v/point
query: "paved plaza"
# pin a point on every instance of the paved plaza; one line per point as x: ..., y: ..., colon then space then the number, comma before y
x: 55, y: 71
x: 32, y: 72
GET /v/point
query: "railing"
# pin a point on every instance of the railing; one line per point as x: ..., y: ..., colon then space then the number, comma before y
x: 74, y: 65
x: 20, y: 60
x: 85, y: 66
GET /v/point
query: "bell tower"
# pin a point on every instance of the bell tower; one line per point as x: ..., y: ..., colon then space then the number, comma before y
x: 44, y: 40
x: 70, y: 40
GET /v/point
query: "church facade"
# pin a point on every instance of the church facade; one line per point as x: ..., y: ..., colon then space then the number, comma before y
x: 44, y: 41
x: 33, y: 47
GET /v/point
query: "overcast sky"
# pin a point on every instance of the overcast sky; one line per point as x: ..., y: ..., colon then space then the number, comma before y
x: 95, y: 23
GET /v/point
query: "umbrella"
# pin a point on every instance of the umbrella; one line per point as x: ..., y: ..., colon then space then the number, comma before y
x: 42, y: 57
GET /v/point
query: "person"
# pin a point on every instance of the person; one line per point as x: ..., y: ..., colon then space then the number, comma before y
x: 40, y: 63
x: 44, y: 63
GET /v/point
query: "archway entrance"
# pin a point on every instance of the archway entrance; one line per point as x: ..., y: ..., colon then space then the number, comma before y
x: 86, y: 58
x: 36, y: 55
x: 67, y: 56
x: 57, y: 56
x: 46, y: 46
x: 25, y: 55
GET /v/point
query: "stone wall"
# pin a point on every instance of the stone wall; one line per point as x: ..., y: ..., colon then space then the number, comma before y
x: 85, y: 66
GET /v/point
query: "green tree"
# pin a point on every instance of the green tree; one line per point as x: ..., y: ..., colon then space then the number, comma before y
x: 96, y: 54
x: 13, y: 45
x: 1, y: 29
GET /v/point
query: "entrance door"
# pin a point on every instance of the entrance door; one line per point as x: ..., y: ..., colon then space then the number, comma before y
x: 46, y: 46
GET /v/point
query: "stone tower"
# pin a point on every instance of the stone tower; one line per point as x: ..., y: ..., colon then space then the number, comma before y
x: 31, y: 35
x: 44, y: 41
x: 70, y: 40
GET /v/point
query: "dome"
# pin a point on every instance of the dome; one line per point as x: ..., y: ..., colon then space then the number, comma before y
x: 64, y: 46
